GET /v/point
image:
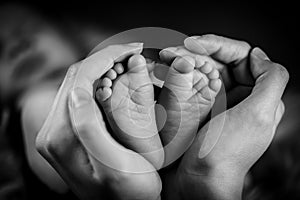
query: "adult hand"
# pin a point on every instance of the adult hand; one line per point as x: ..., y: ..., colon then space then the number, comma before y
x: 76, y: 143
x: 225, y: 148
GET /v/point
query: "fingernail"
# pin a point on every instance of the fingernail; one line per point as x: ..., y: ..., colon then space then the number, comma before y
x: 136, y: 44
x: 80, y: 97
x: 193, y: 43
x: 194, y: 37
x: 260, y: 54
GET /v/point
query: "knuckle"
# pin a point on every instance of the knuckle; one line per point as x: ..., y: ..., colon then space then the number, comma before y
x: 281, y: 72
x: 263, y: 118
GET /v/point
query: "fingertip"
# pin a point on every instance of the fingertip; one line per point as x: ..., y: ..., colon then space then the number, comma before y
x: 195, y: 46
x: 258, y: 53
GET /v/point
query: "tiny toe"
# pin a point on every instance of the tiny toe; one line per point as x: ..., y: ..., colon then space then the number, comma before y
x: 119, y: 68
x: 199, y: 61
x: 206, y: 93
x: 112, y: 74
x: 200, y: 84
x: 106, y: 82
x: 206, y: 68
x: 184, y: 64
x: 214, y: 74
x: 103, y: 93
x: 136, y: 63
x: 215, y: 84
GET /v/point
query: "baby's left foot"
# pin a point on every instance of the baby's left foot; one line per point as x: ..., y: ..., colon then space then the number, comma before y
x: 187, y: 96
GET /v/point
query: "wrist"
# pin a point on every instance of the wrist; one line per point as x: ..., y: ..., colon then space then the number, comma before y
x: 225, y: 183
x: 219, y: 183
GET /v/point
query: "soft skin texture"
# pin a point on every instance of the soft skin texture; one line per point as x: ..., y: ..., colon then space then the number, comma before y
x: 188, y: 94
x: 76, y: 143
x: 215, y: 165
x: 127, y: 99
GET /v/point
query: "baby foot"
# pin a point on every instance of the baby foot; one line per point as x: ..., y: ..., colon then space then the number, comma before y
x: 188, y: 95
x: 127, y: 97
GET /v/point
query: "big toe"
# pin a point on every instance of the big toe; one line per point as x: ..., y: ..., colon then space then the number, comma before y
x: 184, y: 64
x: 136, y: 63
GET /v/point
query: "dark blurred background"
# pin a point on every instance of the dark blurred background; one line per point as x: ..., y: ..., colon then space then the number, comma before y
x: 272, y: 26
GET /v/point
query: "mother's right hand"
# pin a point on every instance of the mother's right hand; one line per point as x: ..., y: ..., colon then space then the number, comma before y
x: 76, y: 143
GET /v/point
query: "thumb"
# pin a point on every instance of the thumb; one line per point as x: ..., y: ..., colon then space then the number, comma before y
x: 270, y: 81
x: 279, y: 113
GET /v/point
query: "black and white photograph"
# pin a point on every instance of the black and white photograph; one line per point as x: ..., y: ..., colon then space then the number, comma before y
x: 145, y: 100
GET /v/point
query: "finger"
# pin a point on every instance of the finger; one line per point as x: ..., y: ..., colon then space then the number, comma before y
x: 220, y: 48
x: 97, y: 64
x: 62, y: 149
x: 270, y: 81
x: 169, y: 54
x: 88, y: 123
x: 227, y: 51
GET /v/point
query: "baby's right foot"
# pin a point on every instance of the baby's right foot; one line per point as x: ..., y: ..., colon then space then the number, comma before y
x: 187, y: 96
x: 127, y: 97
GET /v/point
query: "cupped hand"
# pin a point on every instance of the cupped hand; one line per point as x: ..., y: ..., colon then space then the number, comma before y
x: 227, y: 146
x: 75, y: 141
